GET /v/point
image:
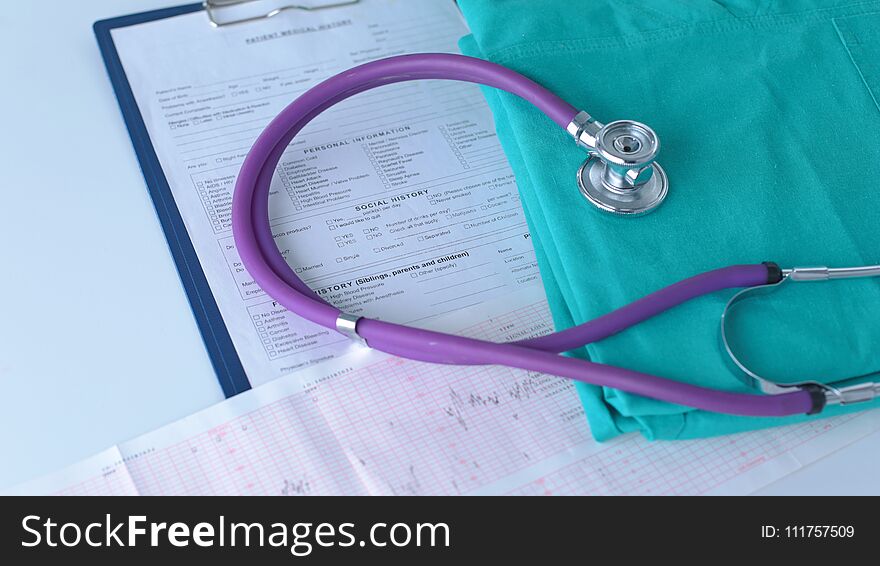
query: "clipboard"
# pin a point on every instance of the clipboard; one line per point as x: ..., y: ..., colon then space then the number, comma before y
x: 218, y: 342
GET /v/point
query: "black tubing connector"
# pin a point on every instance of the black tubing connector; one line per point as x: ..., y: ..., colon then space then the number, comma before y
x: 774, y: 273
x: 818, y: 397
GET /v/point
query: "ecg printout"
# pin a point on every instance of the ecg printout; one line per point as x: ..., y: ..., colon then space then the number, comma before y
x: 398, y: 203
x: 368, y: 423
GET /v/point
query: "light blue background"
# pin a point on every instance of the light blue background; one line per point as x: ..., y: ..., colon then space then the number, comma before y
x: 97, y: 341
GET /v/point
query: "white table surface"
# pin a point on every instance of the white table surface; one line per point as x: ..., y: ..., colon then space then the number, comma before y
x: 97, y: 340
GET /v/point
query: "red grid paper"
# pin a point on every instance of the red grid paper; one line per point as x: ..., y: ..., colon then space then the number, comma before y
x: 401, y: 427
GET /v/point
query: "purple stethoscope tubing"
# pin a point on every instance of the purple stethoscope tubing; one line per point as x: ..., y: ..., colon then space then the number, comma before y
x: 262, y: 259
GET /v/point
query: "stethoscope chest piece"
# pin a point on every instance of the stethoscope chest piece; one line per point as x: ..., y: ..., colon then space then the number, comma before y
x: 620, y: 174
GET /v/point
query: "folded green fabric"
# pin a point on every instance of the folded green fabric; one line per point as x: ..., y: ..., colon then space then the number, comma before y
x: 769, y: 123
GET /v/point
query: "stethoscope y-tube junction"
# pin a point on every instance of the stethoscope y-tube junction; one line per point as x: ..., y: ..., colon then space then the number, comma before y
x: 626, y: 151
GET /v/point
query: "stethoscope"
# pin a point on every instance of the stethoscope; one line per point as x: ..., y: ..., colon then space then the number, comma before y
x: 620, y: 175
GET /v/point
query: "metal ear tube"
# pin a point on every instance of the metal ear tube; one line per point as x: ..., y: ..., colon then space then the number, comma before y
x: 620, y: 174
x: 843, y: 391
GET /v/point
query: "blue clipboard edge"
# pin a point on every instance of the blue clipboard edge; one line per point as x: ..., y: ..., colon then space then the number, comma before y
x: 218, y: 342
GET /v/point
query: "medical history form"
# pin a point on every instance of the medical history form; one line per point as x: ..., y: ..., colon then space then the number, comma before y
x: 397, y: 204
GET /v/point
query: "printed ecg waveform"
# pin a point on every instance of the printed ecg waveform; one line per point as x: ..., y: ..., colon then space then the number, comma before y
x: 406, y: 428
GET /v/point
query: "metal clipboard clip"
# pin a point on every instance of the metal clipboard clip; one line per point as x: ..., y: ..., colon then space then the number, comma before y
x: 212, y: 7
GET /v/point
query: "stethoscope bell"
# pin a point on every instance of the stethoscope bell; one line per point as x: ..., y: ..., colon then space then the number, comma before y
x: 620, y: 174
